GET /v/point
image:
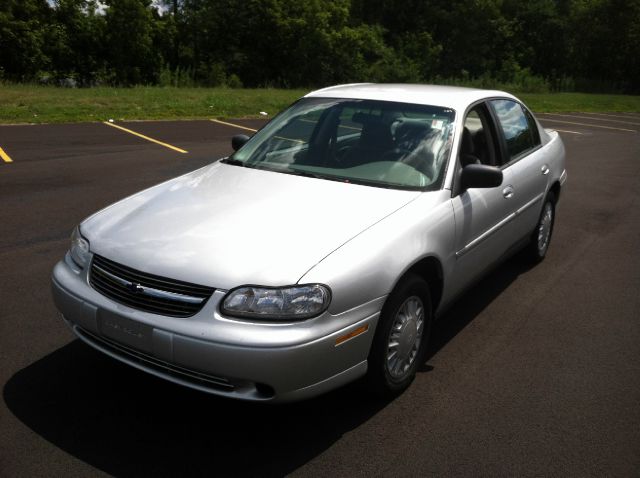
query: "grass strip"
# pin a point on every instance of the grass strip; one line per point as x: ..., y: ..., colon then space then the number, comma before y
x: 45, y: 104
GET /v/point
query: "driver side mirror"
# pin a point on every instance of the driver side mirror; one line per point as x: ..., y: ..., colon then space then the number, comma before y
x: 480, y: 176
x: 238, y: 141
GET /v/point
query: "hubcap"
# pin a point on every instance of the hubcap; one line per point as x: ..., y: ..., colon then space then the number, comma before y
x: 405, y: 337
x: 544, y: 228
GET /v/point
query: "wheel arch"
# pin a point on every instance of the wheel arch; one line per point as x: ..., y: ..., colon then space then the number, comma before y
x: 555, y: 189
x: 430, y: 269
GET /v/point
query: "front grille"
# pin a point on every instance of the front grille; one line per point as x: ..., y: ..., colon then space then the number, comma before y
x: 165, y: 369
x: 147, y: 292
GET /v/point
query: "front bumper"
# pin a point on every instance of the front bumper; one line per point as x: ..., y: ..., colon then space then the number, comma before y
x: 217, y: 354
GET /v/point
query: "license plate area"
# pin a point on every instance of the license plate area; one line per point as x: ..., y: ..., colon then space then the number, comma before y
x: 125, y: 331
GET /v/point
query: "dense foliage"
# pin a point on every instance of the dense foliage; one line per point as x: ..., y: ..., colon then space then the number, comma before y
x: 534, y: 45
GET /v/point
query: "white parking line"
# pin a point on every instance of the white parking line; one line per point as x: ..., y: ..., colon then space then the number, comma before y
x: 587, y: 124
x: 625, y: 115
x: 590, y: 118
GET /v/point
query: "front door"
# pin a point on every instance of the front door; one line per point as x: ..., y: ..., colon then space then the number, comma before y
x: 484, y: 228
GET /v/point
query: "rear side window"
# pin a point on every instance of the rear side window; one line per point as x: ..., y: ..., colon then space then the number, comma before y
x: 516, y: 126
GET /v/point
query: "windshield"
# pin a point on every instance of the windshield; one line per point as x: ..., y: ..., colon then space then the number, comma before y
x: 378, y: 143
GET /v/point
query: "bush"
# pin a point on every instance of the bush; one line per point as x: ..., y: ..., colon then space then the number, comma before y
x: 177, y: 77
x: 233, y: 81
x: 521, y: 81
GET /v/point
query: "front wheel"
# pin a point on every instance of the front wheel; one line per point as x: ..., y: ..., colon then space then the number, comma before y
x: 541, y: 236
x: 400, y: 342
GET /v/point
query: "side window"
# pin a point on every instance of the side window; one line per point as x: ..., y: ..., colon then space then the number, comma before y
x: 473, y: 122
x: 534, y: 127
x: 515, y: 126
x: 477, y: 143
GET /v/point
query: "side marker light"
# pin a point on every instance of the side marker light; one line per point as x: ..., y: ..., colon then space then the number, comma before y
x: 354, y: 333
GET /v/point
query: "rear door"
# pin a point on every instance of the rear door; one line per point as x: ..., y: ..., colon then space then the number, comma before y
x: 525, y: 161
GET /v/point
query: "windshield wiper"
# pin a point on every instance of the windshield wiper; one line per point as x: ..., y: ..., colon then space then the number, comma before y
x: 340, y: 179
x: 233, y: 162
x: 306, y: 174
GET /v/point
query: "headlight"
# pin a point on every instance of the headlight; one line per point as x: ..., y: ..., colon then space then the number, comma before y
x: 79, y: 248
x: 282, y: 303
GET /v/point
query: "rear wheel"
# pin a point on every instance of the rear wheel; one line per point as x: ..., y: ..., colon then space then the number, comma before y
x: 400, y: 343
x: 541, y: 236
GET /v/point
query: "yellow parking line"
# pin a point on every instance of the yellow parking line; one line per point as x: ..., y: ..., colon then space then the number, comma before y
x: 5, y: 157
x: 339, y: 126
x: 234, y: 125
x: 179, y: 150
x: 588, y: 124
x: 349, y: 127
x: 591, y: 118
x: 254, y: 130
x: 290, y: 139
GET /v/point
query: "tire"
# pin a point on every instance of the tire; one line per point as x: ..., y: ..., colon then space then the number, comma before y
x: 403, y: 328
x: 538, y: 245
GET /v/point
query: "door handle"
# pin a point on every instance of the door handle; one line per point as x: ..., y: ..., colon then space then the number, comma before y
x: 507, y: 192
x: 544, y: 169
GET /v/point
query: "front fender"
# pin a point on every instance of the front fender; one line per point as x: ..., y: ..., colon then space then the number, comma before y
x: 369, y: 265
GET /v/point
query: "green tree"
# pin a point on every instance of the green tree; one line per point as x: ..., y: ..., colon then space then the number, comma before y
x: 606, y: 36
x: 75, y: 40
x: 594, y: 43
x: 23, y: 27
x: 132, y: 56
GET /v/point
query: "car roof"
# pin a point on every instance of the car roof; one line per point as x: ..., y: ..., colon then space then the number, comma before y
x: 455, y: 97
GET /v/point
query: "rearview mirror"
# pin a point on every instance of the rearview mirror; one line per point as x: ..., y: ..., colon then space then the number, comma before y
x: 480, y: 176
x: 238, y: 141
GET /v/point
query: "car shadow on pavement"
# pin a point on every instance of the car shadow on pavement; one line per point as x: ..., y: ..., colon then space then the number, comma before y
x: 475, y: 300
x: 125, y: 422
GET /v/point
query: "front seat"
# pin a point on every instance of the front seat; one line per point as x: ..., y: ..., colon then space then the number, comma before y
x: 375, y: 140
x: 467, y: 149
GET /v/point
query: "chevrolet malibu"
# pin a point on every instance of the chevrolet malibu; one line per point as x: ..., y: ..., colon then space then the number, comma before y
x: 322, y: 249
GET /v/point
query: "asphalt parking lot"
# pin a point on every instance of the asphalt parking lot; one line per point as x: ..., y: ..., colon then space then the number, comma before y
x: 535, y: 372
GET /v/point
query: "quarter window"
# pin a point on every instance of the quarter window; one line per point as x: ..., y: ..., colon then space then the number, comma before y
x: 515, y: 126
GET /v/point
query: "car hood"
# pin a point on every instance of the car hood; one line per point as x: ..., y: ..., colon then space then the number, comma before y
x: 226, y: 225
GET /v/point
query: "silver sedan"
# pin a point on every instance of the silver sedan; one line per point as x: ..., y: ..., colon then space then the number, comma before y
x: 323, y: 249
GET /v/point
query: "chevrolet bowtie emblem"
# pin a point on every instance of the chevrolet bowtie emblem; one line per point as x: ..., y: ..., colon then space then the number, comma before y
x: 135, y: 288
